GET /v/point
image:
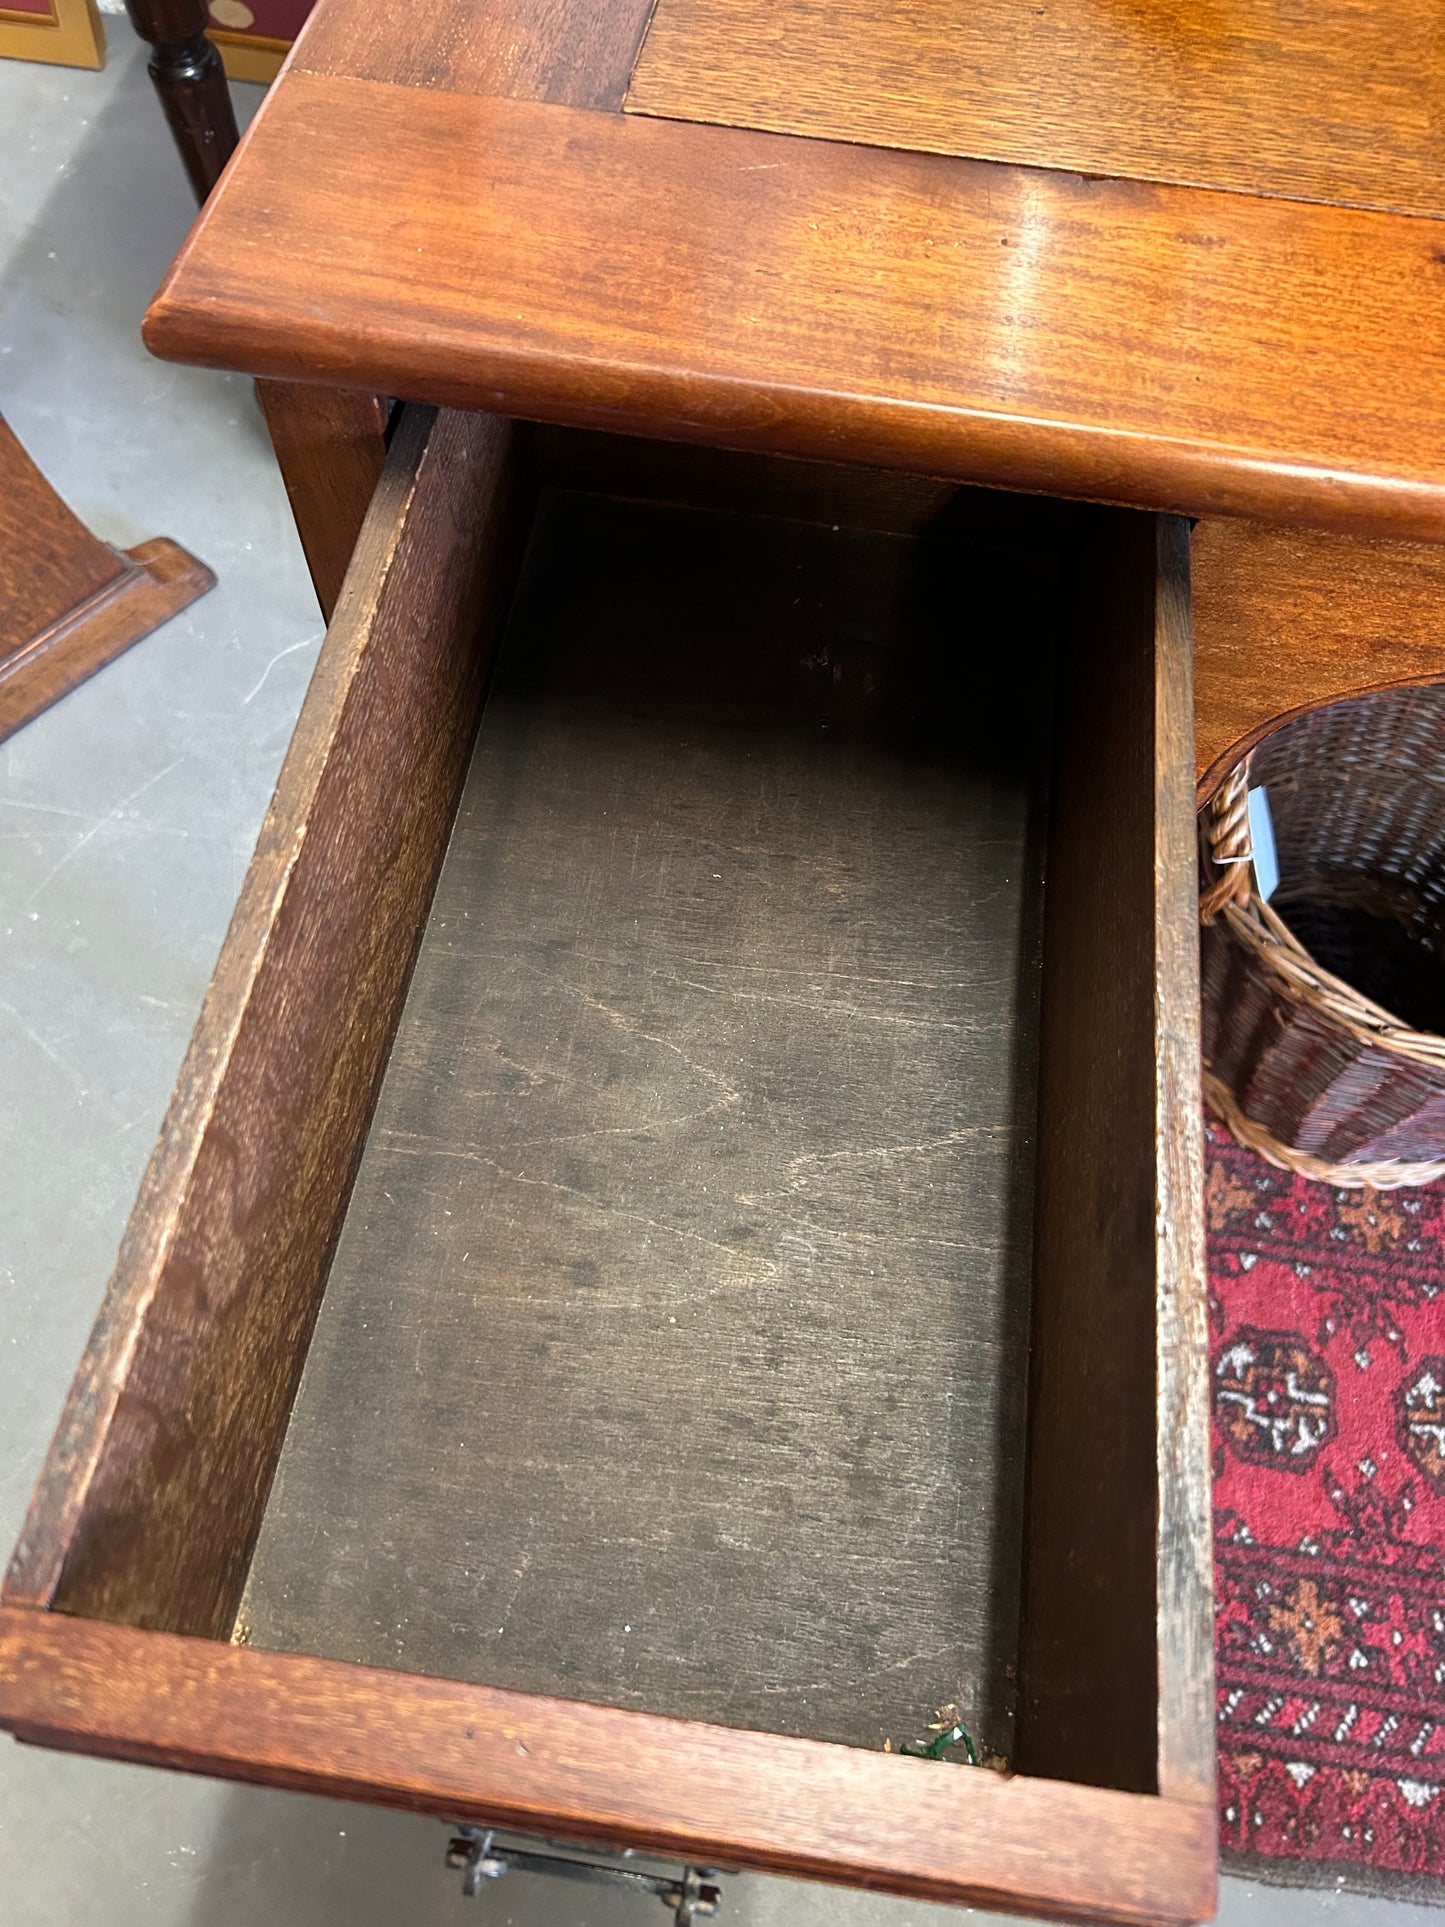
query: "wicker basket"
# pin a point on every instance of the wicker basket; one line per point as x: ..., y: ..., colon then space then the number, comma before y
x: 1321, y: 1008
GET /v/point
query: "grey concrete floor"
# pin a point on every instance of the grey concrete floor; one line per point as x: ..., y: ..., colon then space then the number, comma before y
x: 127, y: 815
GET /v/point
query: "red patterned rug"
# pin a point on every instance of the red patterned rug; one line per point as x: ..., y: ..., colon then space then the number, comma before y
x: 1327, y: 1313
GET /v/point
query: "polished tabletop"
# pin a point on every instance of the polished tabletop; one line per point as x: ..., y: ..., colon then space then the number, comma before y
x: 1187, y: 258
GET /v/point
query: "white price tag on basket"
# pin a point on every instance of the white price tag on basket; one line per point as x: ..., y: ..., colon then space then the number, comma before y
x: 1261, y: 836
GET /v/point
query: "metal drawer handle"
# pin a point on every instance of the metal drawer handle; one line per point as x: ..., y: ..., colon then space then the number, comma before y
x: 692, y: 1896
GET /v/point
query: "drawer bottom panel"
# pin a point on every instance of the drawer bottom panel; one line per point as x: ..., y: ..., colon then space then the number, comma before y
x: 675, y: 1348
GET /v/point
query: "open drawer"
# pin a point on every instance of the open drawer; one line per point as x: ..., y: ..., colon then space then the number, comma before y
x: 675, y: 1253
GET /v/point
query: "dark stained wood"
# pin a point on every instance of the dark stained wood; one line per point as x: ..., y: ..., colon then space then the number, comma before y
x: 70, y: 603
x: 1130, y: 342
x: 578, y: 53
x: 187, y: 74
x: 152, y: 1495
x: 1337, y: 101
x: 330, y: 446
x: 1117, y: 1659
x: 885, y: 501
x: 674, y: 1350
x: 591, y: 1774
x: 1286, y: 620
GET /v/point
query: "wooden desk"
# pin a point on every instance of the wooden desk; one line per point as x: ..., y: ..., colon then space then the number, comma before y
x: 502, y: 209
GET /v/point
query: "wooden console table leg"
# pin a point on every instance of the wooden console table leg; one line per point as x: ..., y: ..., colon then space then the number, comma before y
x: 330, y: 443
x: 70, y: 603
x: 331, y: 447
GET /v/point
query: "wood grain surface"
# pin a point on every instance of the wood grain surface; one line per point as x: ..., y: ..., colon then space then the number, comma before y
x: 591, y: 1774
x: 70, y: 603
x: 1286, y: 620
x: 1337, y: 101
x: 150, y: 1499
x: 330, y: 446
x: 674, y: 1350
x: 1117, y: 1655
x: 160, y: 579
x: 1184, y: 1549
x: 50, y: 563
x: 578, y: 53
x: 1113, y: 339
x: 721, y: 762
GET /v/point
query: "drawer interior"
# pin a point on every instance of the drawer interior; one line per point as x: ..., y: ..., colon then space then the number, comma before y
x: 674, y: 1352
x: 685, y: 1192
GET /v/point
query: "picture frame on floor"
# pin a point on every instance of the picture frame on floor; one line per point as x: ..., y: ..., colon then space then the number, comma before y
x: 63, y: 33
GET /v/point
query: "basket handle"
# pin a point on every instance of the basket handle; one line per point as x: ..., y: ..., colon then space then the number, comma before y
x: 1228, y: 846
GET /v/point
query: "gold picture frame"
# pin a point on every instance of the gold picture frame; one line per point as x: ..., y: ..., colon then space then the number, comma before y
x: 249, y: 56
x: 64, y: 33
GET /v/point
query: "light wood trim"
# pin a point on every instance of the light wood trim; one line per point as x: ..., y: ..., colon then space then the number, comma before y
x: 1185, y: 1527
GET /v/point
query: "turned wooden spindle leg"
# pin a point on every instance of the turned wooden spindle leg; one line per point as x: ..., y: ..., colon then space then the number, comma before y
x: 191, y: 82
